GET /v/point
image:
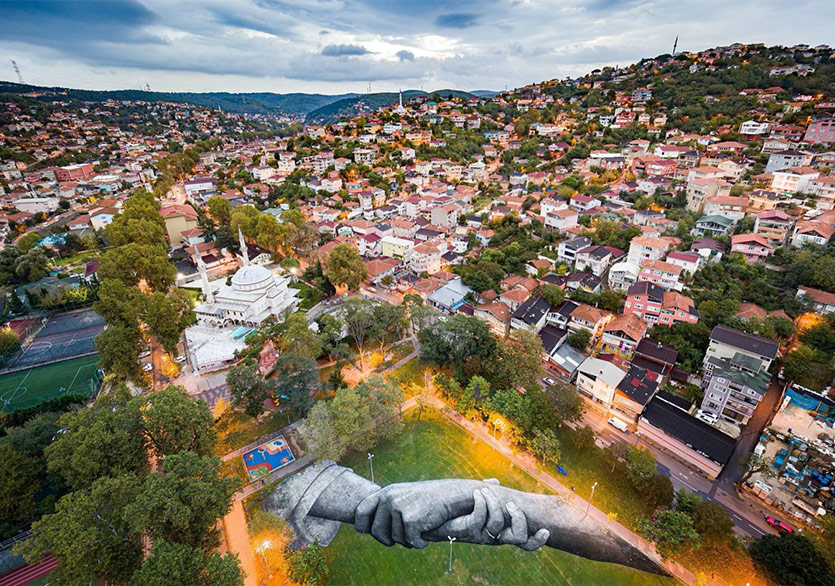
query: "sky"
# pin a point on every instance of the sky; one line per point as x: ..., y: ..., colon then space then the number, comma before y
x: 339, y: 46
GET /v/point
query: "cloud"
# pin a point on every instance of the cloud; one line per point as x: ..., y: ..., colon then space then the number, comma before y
x: 404, y: 55
x: 457, y: 20
x: 344, y: 50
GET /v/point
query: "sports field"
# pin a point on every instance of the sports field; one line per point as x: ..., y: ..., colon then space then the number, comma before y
x: 28, y: 387
x: 435, y: 449
x: 65, y: 335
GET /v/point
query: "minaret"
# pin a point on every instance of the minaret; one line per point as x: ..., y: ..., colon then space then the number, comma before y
x: 400, y: 93
x: 210, y: 298
x: 244, y: 252
x: 675, y: 45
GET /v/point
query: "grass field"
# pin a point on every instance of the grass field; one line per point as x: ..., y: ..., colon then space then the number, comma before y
x: 434, y: 449
x: 27, y: 387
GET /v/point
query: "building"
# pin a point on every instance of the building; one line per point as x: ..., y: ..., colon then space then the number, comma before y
x: 497, y: 316
x: 794, y: 180
x: 733, y: 394
x: 699, y: 191
x: 738, y: 349
x: 822, y: 301
x: 397, y: 247
x: 654, y: 305
x: 634, y: 392
x: 622, y: 335
x: 661, y: 273
x: 752, y: 246
x: 820, y: 131
x: 598, y: 379
x: 449, y: 297
x: 593, y: 258
x: 567, y: 249
x: 178, y: 219
x: 531, y: 315
x: 726, y: 206
x: 655, y: 356
x: 426, y: 257
x: 787, y: 159
x: 677, y: 307
x: 36, y: 205
x: 712, y: 226
x: 643, y: 248
x: 775, y: 226
x: 667, y: 423
x: 75, y: 172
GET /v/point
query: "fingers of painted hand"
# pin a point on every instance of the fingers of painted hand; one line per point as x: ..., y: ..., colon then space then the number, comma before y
x: 364, y: 515
x: 381, y: 526
x: 468, y: 525
x: 495, y: 514
x: 491, y: 481
x: 517, y: 533
x: 536, y: 541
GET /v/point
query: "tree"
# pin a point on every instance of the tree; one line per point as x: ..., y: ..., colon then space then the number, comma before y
x: 271, y: 235
x: 245, y: 219
x: 139, y: 223
x: 791, y: 559
x: 296, y: 378
x: 248, y: 388
x: 20, y: 484
x: 173, y: 422
x: 641, y: 466
x: 99, y: 441
x: 579, y: 339
x: 183, y: 503
x: 297, y: 337
x: 167, y: 315
x: 659, y: 491
x: 389, y: 322
x: 670, y: 530
x: 615, y: 452
x: 685, y: 501
x: 552, y: 294
x: 584, y: 438
x: 753, y: 464
x: 345, y: 267
x: 358, y: 316
x: 28, y: 241
x: 180, y: 565
x: 220, y: 210
x: 546, y: 445
x: 517, y: 362
x: 566, y: 402
x: 119, y: 347
x: 88, y: 534
x: 307, y: 566
x: 456, y: 341
x: 712, y: 521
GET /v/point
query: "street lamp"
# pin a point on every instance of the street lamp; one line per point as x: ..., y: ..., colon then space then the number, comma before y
x: 451, y: 539
x: 588, y: 503
x: 371, y: 463
x: 261, y: 549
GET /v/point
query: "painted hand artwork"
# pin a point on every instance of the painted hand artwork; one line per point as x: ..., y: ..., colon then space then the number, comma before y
x: 319, y: 499
x: 266, y: 458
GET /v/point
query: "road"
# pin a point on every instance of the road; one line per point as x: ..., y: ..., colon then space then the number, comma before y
x: 749, y: 520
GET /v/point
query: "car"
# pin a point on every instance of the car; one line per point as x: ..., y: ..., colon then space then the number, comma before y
x: 180, y: 359
x: 778, y: 524
x: 145, y: 354
x: 549, y: 381
x: 148, y: 367
x: 707, y: 417
x: 618, y: 424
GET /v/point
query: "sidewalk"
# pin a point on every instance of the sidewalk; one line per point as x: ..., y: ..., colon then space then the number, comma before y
x: 237, y: 540
x: 529, y: 464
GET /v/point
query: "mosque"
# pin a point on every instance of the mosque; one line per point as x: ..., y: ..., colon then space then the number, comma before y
x: 231, y: 311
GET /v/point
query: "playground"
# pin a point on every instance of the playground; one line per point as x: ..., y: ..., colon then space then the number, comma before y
x: 28, y: 387
x: 266, y: 458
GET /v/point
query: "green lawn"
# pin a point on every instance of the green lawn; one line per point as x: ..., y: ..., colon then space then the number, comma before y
x: 236, y: 429
x: 434, y: 449
x: 28, y: 387
x: 307, y: 294
x: 409, y: 374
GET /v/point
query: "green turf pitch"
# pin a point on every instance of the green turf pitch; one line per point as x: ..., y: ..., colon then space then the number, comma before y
x: 435, y: 449
x: 28, y: 387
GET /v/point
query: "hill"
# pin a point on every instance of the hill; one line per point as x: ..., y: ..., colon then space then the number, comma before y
x: 294, y: 104
x: 355, y: 105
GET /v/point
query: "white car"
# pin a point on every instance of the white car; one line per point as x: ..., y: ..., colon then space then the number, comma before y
x: 549, y: 381
x: 148, y: 367
x: 180, y: 359
x: 707, y: 417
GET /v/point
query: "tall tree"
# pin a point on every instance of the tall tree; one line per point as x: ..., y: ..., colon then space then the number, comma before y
x: 220, y: 210
x: 20, y: 484
x: 183, y: 502
x: 248, y: 388
x: 88, y: 534
x: 345, y: 267
x: 180, y: 565
x: 296, y: 378
x: 297, y: 337
x: 712, y: 521
x: 791, y: 559
x: 670, y: 530
x: 173, y: 422
x: 358, y: 315
x: 307, y: 566
x: 641, y: 466
x: 546, y: 445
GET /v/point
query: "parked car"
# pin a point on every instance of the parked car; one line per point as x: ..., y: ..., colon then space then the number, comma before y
x: 180, y: 359
x: 618, y: 424
x: 778, y: 524
x: 148, y: 367
x: 707, y: 417
x: 549, y: 381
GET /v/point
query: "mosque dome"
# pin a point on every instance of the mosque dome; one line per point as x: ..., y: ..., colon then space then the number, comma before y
x: 251, y: 277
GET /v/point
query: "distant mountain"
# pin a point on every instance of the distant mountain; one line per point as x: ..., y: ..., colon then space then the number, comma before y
x: 370, y: 102
x: 485, y: 93
x: 295, y: 104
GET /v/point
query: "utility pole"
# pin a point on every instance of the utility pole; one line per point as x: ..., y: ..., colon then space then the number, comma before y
x: 588, y: 503
x: 17, y: 70
x: 451, y: 539
x: 371, y: 463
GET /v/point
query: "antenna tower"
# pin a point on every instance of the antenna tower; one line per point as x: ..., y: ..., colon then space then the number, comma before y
x: 17, y: 70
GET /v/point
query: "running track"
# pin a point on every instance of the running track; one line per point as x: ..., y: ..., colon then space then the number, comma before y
x: 28, y: 573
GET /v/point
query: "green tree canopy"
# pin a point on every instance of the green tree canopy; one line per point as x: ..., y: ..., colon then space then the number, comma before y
x: 180, y: 565
x: 345, y: 267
